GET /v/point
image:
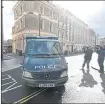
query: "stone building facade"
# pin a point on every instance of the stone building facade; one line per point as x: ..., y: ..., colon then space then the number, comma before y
x: 102, y: 41
x: 54, y: 21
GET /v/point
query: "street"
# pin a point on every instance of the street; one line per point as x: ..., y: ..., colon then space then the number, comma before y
x: 83, y: 86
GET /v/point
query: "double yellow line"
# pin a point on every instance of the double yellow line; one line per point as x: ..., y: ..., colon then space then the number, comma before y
x: 25, y: 99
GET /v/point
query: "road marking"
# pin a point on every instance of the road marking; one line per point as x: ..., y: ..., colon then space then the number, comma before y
x: 33, y: 96
x: 4, y: 74
x: 11, y: 89
x: 23, y: 100
x: 4, y: 101
x: 7, y: 83
x: 9, y: 68
x: 5, y: 78
x: 8, y: 88
x: 14, y: 82
x: 12, y: 78
x: 27, y: 96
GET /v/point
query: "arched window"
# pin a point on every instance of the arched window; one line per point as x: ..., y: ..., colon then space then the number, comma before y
x: 50, y: 26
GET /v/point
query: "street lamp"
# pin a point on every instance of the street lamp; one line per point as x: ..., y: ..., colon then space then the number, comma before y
x: 73, y: 41
x: 2, y: 34
x: 95, y: 41
x: 72, y: 36
x: 39, y: 23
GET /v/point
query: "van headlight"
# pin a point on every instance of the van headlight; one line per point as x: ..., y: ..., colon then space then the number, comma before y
x: 64, y: 74
x: 27, y: 74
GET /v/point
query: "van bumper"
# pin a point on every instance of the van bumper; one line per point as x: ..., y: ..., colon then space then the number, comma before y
x: 35, y: 83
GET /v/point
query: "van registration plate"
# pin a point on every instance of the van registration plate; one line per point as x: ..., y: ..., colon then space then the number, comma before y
x: 46, y: 85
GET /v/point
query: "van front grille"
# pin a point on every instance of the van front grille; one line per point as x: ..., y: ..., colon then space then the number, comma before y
x: 53, y: 75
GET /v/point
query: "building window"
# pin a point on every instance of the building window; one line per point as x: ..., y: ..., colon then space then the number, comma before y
x: 58, y: 24
x: 46, y: 11
x: 62, y: 35
x: 63, y: 44
x: 47, y: 0
x: 21, y: 22
x: 58, y: 16
x: 51, y: 13
x: 41, y: 24
x: 21, y: 9
x: 41, y: 9
x: 16, y: 13
x: 50, y: 26
x: 70, y: 36
x: 65, y: 19
x: 62, y: 24
x: 55, y: 15
x: 58, y: 33
x: 67, y: 35
x: 16, y: 28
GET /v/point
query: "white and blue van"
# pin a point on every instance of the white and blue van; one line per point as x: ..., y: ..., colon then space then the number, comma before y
x: 44, y: 64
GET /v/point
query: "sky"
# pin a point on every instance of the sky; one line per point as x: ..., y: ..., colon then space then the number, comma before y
x: 91, y: 12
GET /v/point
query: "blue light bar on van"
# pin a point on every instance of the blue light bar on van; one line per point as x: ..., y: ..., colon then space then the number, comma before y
x: 42, y: 37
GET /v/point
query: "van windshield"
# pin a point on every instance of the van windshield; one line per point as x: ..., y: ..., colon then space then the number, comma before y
x: 35, y: 47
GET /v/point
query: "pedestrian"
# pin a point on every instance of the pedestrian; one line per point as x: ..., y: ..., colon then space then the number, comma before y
x: 101, y: 56
x: 87, y: 57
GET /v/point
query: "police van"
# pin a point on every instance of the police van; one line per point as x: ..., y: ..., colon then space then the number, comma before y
x: 44, y: 64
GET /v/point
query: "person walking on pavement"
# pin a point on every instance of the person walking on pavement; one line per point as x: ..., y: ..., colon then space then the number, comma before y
x: 87, y: 57
x: 101, y: 56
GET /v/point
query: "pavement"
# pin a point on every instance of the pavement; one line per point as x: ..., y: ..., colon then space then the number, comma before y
x: 11, y: 61
x: 7, y: 56
x: 83, y: 86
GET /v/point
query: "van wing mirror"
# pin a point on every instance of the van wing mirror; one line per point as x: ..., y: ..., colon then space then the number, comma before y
x: 21, y: 63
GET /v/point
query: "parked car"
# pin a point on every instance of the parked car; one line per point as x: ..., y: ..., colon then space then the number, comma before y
x: 4, y: 51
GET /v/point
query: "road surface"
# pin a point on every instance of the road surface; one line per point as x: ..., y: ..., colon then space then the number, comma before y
x: 83, y: 86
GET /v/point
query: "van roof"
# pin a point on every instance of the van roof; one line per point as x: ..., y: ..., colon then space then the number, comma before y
x: 42, y: 37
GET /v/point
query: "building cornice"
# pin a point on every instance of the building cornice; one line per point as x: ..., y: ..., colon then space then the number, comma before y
x: 33, y: 32
x: 52, y: 6
x: 16, y: 5
x: 35, y: 13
